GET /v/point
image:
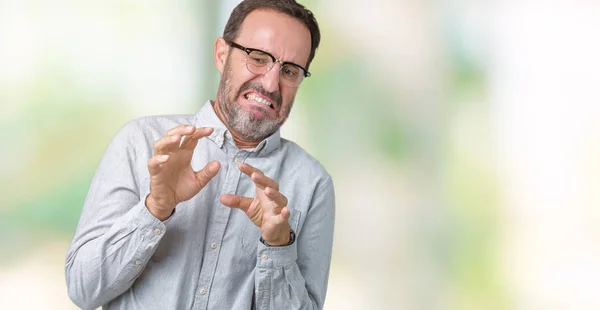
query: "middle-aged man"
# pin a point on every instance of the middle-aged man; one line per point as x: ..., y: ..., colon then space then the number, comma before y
x: 214, y: 210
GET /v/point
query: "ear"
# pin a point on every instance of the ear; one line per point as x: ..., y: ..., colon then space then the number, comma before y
x: 220, y: 56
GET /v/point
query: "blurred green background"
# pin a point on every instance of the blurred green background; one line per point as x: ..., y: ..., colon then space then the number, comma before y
x: 463, y: 138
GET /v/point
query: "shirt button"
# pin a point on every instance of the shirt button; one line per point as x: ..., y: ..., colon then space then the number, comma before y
x: 138, y: 262
x: 264, y: 257
x: 237, y: 160
x: 157, y: 231
x: 202, y: 292
x: 213, y: 245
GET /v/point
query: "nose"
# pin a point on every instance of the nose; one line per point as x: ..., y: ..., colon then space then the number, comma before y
x: 271, y: 78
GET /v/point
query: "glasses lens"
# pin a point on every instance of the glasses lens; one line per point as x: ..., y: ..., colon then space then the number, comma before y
x: 259, y: 63
x: 291, y: 73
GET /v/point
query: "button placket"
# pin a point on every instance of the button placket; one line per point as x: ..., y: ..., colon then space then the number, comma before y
x: 218, y: 222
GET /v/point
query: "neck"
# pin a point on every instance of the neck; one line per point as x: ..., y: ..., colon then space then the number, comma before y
x: 239, y: 141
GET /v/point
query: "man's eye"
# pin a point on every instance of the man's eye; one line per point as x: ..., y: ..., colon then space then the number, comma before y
x: 259, y: 58
x: 291, y: 72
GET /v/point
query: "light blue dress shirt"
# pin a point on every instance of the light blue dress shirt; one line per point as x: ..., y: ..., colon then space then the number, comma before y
x: 206, y: 255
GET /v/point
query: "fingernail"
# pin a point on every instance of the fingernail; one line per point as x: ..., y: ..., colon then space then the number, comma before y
x: 164, y: 157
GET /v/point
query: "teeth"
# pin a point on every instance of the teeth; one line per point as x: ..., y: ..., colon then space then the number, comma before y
x: 258, y: 99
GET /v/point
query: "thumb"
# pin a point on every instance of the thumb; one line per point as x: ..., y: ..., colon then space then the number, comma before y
x: 234, y: 201
x: 208, y: 172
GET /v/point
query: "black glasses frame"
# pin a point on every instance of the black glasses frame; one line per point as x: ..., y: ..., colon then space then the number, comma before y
x: 282, y: 63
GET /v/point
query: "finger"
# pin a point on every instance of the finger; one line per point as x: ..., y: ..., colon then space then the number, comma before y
x: 262, y: 181
x: 166, y: 144
x: 247, y: 169
x: 202, y: 132
x: 276, y: 196
x: 155, y: 162
x: 285, y: 213
x: 190, y: 141
x: 257, y: 176
x: 208, y: 172
x: 281, y: 218
x: 234, y: 201
x: 181, y: 130
x: 172, y: 141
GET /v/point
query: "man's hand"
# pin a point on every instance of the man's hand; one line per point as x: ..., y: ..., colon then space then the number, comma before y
x: 172, y: 179
x: 267, y: 210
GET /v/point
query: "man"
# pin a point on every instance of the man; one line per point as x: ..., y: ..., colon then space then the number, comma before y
x: 214, y: 210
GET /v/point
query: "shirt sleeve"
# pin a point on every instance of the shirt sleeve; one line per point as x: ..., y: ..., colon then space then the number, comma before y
x: 295, y: 276
x: 116, y: 234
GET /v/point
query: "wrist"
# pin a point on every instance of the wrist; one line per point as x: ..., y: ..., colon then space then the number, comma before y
x: 158, y: 212
x: 284, y: 240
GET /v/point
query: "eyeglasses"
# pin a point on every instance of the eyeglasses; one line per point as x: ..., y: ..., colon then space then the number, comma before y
x: 260, y: 62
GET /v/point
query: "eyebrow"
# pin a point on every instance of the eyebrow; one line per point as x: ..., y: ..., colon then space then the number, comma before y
x: 250, y: 49
x: 271, y: 54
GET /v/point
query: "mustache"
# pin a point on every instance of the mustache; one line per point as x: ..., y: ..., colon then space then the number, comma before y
x: 274, y: 96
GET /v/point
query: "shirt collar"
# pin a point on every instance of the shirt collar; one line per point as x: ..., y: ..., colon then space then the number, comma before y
x: 207, y: 117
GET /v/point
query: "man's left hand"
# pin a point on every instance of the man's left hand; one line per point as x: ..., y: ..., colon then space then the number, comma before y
x: 267, y: 210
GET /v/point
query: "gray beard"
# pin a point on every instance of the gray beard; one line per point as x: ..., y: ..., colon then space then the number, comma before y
x: 245, y: 124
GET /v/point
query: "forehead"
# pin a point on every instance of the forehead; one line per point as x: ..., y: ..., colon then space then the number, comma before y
x: 277, y: 33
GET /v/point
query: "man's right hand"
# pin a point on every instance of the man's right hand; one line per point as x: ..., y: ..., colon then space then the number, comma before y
x: 172, y: 179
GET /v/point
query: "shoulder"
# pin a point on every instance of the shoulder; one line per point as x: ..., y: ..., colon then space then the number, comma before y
x: 159, y: 124
x: 307, y: 181
x: 138, y: 135
x: 151, y: 127
x: 303, y: 163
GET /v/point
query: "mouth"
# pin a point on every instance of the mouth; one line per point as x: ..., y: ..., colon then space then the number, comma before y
x: 258, y: 98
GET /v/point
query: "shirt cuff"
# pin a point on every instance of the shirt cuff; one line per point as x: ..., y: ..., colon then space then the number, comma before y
x: 151, y: 228
x: 276, y: 257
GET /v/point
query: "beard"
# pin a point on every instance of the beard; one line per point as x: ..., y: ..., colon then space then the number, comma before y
x: 245, y: 124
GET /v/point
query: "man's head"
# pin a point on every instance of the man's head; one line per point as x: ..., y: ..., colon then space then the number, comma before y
x: 253, y: 100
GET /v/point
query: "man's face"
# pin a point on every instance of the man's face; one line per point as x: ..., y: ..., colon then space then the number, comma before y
x: 255, y: 106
